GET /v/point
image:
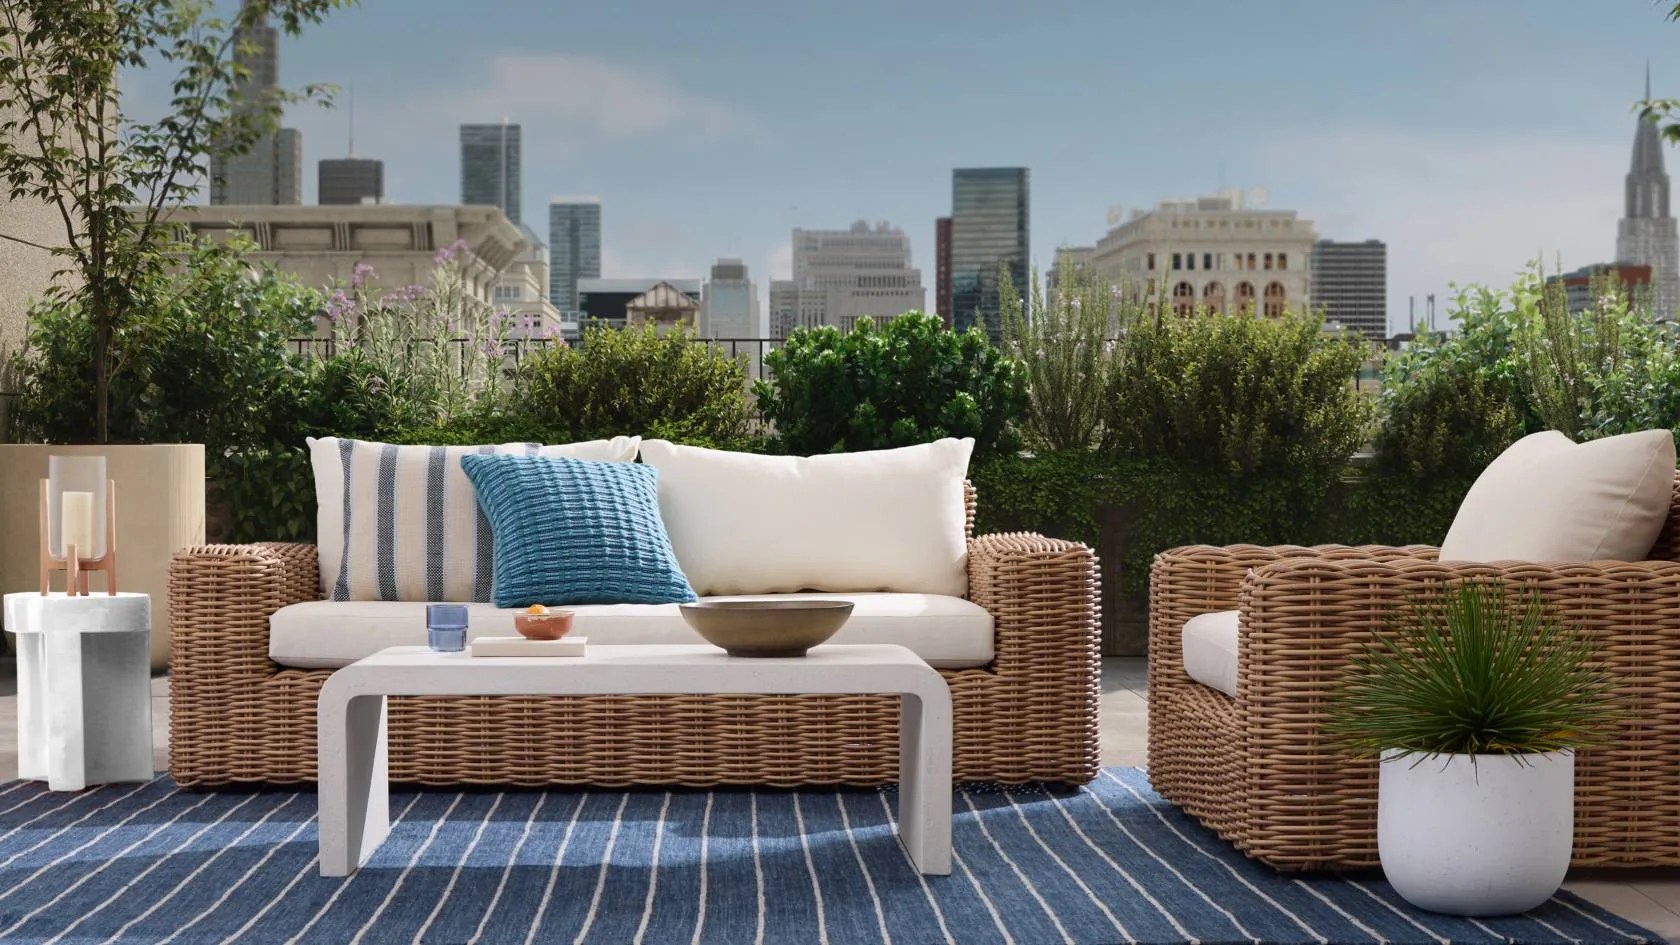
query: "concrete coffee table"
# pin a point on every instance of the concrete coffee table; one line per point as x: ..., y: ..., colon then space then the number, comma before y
x: 354, y: 793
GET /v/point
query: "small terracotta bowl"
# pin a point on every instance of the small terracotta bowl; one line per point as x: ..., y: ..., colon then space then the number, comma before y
x: 550, y: 626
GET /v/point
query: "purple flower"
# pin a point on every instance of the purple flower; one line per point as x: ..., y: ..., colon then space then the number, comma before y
x: 407, y: 293
x: 360, y: 274
x: 450, y: 252
x: 490, y: 347
x: 339, y: 305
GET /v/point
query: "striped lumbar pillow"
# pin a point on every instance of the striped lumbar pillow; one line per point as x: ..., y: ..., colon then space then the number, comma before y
x: 402, y: 522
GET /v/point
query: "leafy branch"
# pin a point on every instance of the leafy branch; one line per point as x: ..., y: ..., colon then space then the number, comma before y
x: 67, y: 143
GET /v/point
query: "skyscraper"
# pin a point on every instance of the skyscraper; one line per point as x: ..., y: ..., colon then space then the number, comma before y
x: 729, y: 303
x: 942, y: 268
x: 990, y: 218
x: 574, y: 247
x: 271, y: 172
x: 350, y: 180
x: 843, y: 275
x: 1350, y: 283
x: 1646, y: 235
x: 490, y: 167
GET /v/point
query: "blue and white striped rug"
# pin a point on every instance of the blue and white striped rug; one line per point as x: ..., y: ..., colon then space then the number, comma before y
x: 1111, y: 863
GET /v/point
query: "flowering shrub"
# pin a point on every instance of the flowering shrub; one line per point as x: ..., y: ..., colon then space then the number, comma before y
x: 449, y: 348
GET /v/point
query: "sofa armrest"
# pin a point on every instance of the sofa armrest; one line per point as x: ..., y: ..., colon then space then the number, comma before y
x: 1044, y: 598
x: 1304, y: 619
x: 1200, y: 579
x: 220, y: 599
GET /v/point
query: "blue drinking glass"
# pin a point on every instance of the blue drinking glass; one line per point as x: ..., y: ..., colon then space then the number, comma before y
x: 446, y: 627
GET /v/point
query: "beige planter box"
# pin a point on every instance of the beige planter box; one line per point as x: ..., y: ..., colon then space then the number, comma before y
x: 160, y: 509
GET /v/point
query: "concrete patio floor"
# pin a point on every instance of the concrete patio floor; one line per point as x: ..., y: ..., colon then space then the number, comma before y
x: 1650, y: 897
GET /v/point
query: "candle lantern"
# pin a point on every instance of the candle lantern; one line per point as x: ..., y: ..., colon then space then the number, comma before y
x: 78, y: 523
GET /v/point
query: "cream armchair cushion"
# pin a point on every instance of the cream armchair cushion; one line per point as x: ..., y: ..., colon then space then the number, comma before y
x: 1549, y: 499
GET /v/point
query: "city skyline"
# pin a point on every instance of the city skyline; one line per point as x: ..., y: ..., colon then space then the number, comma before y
x: 1429, y: 144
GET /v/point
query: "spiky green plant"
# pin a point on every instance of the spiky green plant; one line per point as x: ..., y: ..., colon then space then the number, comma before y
x: 1474, y: 670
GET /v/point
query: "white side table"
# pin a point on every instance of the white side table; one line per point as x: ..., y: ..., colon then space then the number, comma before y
x: 84, y: 687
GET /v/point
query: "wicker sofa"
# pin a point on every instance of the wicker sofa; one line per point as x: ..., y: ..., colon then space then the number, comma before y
x: 1257, y: 769
x: 237, y: 717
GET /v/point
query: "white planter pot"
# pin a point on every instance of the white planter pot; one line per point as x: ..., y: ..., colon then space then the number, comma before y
x: 1476, y: 834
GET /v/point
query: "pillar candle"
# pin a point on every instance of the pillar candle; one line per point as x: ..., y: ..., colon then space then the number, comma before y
x: 75, y: 516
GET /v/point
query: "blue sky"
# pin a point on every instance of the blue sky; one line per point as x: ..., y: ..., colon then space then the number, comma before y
x: 1471, y: 137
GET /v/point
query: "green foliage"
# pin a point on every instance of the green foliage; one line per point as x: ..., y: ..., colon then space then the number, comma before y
x: 908, y: 380
x: 629, y: 381
x: 203, y: 357
x: 1445, y: 413
x: 1070, y: 348
x: 1153, y: 504
x: 1470, y: 672
x: 1249, y: 398
x: 66, y: 141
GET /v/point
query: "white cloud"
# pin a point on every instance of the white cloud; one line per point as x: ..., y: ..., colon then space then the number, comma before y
x: 617, y: 265
x: 589, y: 101
x: 1456, y: 208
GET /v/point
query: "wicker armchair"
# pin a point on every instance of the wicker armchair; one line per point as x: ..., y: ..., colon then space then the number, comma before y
x: 1258, y: 770
x: 1031, y: 715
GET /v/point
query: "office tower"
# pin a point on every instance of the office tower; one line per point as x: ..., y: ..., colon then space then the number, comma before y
x: 1222, y: 252
x: 990, y: 219
x: 1350, y: 285
x: 271, y: 171
x: 490, y: 167
x: 350, y: 180
x: 844, y: 275
x: 574, y: 248
x: 1646, y: 235
x: 784, y: 307
x: 942, y: 268
x: 729, y: 302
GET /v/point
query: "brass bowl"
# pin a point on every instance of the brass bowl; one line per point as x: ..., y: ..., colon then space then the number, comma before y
x: 550, y: 626
x: 767, y: 627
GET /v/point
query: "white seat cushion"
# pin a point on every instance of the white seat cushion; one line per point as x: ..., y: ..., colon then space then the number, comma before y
x: 879, y: 520
x: 947, y: 632
x: 1548, y: 499
x: 1210, y: 650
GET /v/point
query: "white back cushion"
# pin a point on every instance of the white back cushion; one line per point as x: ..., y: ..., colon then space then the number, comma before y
x: 1549, y: 499
x: 403, y: 523
x: 886, y: 520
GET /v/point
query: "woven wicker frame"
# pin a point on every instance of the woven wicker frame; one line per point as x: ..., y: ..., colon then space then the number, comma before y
x: 238, y: 718
x: 1257, y: 769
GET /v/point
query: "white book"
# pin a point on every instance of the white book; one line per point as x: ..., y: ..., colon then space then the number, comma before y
x: 519, y: 646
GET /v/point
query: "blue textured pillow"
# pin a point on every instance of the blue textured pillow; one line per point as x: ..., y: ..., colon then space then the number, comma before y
x: 573, y: 531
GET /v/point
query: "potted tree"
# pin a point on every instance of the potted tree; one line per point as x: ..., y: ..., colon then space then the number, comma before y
x: 1475, y: 705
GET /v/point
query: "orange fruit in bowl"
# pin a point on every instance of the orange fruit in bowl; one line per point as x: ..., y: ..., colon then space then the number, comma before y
x: 539, y: 623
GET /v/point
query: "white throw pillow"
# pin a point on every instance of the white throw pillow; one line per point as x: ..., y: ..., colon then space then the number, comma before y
x: 1549, y: 499
x: 886, y: 520
x: 403, y: 523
